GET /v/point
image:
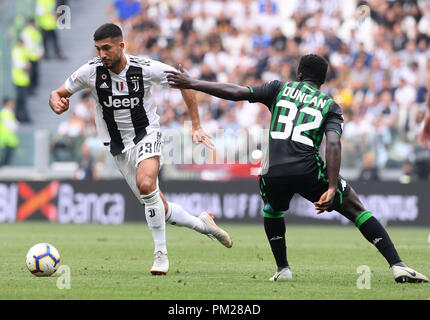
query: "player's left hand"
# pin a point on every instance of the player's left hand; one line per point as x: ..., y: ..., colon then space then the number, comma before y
x: 325, y: 201
x: 200, y: 135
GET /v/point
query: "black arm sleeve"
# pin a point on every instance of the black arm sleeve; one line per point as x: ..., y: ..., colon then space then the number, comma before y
x: 334, y: 120
x: 265, y: 93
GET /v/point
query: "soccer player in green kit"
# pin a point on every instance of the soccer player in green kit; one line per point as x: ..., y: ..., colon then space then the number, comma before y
x: 301, y: 115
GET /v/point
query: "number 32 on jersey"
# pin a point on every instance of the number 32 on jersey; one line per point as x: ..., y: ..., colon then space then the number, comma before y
x: 296, y: 131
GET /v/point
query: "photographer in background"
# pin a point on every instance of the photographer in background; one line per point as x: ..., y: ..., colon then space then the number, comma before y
x: 8, y: 128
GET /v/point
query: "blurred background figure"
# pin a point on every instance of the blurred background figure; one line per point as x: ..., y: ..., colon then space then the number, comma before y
x: 86, y: 165
x: 67, y: 141
x: 370, y: 171
x: 84, y: 110
x: 46, y: 18
x: 8, y: 127
x: 33, y: 41
x: 420, y: 159
x: 21, y: 79
x: 125, y: 9
x: 407, y: 175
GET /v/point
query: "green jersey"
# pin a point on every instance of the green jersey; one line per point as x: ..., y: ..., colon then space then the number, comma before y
x: 301, y: 114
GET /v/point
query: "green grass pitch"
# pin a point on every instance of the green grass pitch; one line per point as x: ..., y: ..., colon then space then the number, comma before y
x: 113, y: 262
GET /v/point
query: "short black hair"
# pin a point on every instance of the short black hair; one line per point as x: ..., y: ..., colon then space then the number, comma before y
x: 107, y: 30
x: 313, y: 67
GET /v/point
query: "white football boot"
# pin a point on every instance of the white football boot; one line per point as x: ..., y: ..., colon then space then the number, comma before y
x: 161, y: 264
x: 215, y: 232
x: 284, y: 275
x: 403, y: 274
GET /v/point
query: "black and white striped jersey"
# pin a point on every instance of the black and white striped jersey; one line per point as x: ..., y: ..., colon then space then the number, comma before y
x: 125, y: 110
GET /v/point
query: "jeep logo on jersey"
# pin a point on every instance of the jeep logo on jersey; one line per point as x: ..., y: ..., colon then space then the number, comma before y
x: 121, y: 102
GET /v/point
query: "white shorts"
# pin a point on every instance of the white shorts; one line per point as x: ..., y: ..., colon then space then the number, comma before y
x: 127, y: 162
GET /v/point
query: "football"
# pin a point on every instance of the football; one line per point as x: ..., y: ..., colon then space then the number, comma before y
x: 42, y: 259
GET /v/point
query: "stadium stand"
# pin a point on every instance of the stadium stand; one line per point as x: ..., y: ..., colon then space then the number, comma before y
x: 380, y: 80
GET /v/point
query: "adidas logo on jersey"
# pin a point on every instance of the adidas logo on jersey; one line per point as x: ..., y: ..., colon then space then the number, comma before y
x: 104, y: 85
x: 124, y: 102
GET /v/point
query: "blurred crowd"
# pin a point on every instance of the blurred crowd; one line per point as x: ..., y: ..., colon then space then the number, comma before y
x: 378, y: 53
x: 76, y: 139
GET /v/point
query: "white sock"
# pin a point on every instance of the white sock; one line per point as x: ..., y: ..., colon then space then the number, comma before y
x: 176, y: 215
x: 155, y: 218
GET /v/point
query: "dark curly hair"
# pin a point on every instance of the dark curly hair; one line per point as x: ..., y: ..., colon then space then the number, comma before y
x: 313, y: 68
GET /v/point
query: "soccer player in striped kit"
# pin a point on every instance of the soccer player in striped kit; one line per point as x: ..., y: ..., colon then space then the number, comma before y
x: 128, y: 125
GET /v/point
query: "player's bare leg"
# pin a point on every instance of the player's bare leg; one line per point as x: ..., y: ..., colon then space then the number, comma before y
x: 146, y: 181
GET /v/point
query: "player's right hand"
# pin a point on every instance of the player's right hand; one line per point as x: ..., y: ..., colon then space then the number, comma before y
x: 199, y: 135
x: 180, y: 80
x: 62, y: 105
x: 325, y: 201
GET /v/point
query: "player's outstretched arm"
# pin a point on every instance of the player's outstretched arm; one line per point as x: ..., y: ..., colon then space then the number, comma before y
x: 59, y: 100
x: 424, y: 137
x: 333, y: 158
x: 227, y: 91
